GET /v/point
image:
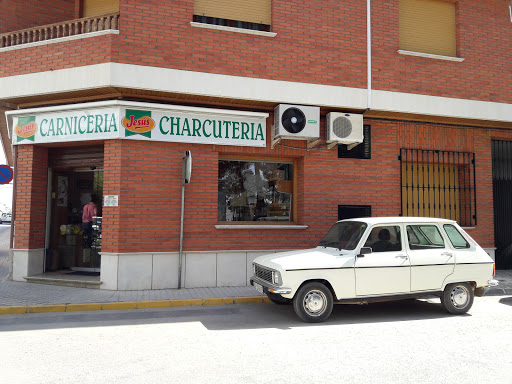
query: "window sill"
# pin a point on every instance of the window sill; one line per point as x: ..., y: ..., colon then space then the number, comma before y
x: 430, y: 56
x: 231, y: 29
x: 263, y: 226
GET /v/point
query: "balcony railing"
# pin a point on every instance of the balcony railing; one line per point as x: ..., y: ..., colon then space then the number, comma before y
x: 58, y: 30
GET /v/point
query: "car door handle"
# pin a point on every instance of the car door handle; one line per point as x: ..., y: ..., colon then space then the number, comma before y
x: 402, y: 257
x: 447, y: 254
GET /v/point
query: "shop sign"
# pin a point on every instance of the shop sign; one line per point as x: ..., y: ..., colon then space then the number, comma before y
x: 67, y: 126
x: 190, y: 125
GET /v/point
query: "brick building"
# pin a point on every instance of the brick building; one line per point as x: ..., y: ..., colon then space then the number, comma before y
x: 295, y: 113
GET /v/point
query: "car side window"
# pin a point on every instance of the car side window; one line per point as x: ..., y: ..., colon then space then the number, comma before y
x: 384, y: 239
x: 424, y: 237
x: 457, y: 240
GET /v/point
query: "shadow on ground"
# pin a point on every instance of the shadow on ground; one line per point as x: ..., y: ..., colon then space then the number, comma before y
x: 229, y: 317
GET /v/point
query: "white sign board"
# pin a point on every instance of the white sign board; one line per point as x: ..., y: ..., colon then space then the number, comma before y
x: 111, y: 200
x: 138, y: 121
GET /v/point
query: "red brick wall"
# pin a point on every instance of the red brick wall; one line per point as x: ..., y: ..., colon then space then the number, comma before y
x: 147, y: 178
x: 484, y: 41
x: 21, y: 14
x: 321, y: 42
x: 67, y: 54
x: 31, y: 187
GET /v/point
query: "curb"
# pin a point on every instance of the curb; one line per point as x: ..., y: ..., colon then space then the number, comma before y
x: 499, y: 292
x: 16, y: 310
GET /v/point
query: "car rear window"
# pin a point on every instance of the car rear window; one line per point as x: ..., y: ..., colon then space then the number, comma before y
x: 457, y: 240
x: 424, y: 236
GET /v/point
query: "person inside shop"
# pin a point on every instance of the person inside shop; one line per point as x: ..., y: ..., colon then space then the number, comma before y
x: 90, y: 210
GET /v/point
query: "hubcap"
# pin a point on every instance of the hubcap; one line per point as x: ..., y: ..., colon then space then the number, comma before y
x: 460, y: 296
x: 315, y: 302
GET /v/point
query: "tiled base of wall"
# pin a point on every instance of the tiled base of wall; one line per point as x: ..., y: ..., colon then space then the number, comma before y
x: 136, y: 271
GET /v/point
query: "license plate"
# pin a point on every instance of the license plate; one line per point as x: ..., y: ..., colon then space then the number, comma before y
x: 258, y: 287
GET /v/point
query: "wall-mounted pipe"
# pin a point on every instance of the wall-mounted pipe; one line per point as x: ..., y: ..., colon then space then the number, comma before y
x: 369, y: 54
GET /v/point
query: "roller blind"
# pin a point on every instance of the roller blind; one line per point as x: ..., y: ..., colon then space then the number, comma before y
x: 92, y: 8
x: 428, y: 26
x: 252, y: 11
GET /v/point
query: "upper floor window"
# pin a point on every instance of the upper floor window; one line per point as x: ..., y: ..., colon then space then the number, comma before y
x: 93, y: 8
x: 245, y: 14
x: 428, y: 26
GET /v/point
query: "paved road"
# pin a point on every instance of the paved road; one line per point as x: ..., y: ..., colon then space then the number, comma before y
x: 406, y: 342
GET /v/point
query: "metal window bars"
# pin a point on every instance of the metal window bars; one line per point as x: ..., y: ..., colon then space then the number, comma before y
x: 438, y: 183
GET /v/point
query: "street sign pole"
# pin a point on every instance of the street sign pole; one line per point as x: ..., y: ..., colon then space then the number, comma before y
x: 186, y: 173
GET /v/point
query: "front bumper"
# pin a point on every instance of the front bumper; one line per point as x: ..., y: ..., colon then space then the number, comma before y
x: 270, y: 288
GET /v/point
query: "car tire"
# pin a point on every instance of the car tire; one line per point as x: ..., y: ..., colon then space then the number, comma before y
x: 457, y: 298
x: 278, y: 299
x: 313, y: 303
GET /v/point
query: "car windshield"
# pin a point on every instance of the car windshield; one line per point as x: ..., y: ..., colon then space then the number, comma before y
x: 344, y: 235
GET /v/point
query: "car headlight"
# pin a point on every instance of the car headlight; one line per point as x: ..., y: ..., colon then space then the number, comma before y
x: 276, y: 278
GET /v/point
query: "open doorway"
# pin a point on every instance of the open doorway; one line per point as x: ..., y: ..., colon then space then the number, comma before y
x: 75, y: 180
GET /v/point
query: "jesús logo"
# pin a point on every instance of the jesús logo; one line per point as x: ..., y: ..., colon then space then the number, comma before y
x: 26, y: 128
x: 138, y: 122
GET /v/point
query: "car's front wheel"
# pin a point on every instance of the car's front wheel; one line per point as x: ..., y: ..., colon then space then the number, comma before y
x: 313, y: 302
x: 457, y: 298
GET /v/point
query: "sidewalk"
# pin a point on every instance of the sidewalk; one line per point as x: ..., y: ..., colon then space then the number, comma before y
x: 19, y: 297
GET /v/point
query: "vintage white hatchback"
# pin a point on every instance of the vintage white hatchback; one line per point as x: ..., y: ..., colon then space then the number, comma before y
x: 377, y: 259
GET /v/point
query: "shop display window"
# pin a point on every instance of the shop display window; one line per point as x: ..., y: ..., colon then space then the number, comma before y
x: 259, y: 191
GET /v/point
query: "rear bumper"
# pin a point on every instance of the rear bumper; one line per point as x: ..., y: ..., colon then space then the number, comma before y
x: 481, y: 291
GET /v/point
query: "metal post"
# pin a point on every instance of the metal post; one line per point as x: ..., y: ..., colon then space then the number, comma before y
x: 181, y: 233
x: 185, y: 179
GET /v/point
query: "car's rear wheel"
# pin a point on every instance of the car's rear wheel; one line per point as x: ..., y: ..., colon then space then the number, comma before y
x: 313, y: 302
x: 457, y: 298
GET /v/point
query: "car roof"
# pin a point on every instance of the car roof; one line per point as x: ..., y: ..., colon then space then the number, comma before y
x: 400, y: 219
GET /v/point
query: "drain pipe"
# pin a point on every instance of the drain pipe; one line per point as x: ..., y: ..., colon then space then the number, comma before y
x: 369, y: 54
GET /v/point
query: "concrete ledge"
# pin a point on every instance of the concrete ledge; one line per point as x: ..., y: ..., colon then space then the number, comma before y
x: 16, y: 310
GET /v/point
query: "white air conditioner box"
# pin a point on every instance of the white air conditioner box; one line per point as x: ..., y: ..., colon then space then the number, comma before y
x: 344, y: 128
x: 297, y: 122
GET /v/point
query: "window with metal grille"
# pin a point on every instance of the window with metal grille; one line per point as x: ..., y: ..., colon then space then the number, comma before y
x: 360, y: 151
x: 353, y: 211
x: 438, y: 184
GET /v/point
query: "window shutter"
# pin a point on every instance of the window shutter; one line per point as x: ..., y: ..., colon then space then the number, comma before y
x: 428, y: 26
x: 252, y: 11
x: 92, y: 8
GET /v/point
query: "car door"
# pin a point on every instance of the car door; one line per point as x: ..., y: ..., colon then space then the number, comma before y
x: 386, y: 270
x: 432, y: 260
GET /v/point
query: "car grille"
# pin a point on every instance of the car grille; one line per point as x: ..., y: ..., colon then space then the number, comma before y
x: 263, y: 273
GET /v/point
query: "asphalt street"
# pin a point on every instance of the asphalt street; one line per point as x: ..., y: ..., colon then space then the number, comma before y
x: 401, y: 342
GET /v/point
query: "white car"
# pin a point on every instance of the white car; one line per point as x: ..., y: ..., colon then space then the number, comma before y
x: 377, y: 259
x: 5, y: 218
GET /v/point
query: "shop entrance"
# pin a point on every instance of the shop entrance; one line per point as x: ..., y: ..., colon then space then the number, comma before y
x: 73, y: 246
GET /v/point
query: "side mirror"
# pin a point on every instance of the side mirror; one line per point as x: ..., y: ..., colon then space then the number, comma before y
x: 364, y: 251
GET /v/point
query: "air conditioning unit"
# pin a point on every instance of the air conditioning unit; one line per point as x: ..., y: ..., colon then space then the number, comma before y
x: 296, y: 122
x: 344, y: 128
